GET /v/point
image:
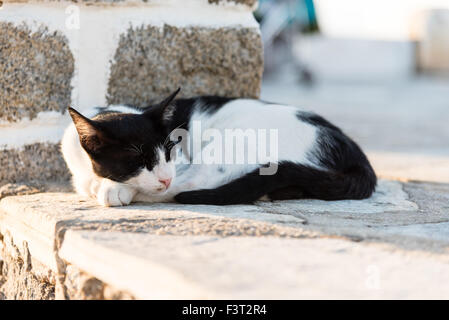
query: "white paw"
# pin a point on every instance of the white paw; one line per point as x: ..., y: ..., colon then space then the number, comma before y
x: 113, y: 194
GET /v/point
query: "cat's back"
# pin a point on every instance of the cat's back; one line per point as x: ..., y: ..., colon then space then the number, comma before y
x: 257, y: 119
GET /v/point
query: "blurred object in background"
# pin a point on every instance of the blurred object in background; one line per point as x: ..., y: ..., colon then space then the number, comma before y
x: 372, y: 19
x: 431, y: 30
x: 376, y: 40
x: 280, y: 22
x: 373, y: 65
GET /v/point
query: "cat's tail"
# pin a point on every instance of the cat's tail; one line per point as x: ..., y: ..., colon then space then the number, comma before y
x: 291, y: 181
x: 357, y: 182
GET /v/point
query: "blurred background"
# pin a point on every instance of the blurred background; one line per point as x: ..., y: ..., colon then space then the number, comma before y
x: 377, y: 68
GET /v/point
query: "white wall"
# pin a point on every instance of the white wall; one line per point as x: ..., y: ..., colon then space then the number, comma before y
x: 373, y: 19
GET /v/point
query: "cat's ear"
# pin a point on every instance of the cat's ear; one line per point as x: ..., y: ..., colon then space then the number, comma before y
x: 91, y: 136
x: 165, y: 109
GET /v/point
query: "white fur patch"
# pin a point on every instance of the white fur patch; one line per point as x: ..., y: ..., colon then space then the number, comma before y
x: 148, y: 182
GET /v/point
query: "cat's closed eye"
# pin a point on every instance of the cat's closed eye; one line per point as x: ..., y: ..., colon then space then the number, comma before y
x: 135, y: 149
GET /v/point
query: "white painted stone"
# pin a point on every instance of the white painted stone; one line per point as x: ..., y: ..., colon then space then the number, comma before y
x: 48, y: 126
x: 254, y: 268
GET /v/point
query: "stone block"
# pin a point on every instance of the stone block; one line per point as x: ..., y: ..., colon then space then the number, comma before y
x: 38, y: 161
x: 151, y: 62
x: 36, y: 70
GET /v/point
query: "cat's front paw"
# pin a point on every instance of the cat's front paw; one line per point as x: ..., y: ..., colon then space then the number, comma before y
x: 113, y: 194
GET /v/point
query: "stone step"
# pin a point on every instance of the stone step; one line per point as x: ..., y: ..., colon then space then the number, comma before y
x: 59, y: 245
x: 205, y: 267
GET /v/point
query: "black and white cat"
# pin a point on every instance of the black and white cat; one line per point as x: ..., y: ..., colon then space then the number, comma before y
x: 121, y: 154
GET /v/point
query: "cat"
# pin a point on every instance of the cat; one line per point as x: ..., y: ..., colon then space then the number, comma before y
x: 121, y: 154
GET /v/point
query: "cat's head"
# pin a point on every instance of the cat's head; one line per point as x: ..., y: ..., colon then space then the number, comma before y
x: 131, y: 148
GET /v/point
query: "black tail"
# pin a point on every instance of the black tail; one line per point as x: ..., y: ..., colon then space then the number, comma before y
x: 358, y: 182
x: 291, y: 181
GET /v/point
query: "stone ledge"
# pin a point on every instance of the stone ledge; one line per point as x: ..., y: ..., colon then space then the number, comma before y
x: 176, y: 251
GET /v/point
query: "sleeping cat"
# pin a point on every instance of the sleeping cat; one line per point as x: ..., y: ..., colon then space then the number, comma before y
x: 122, y: 154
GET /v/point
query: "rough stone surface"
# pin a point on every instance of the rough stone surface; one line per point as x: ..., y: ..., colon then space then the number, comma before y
x: 23, y: 277
x: 19, y: 189
x: 34, y: 186
x: 36, y: 69
x: 39, y: 161
x: 430, y: 197
x: 151, y: 62
x: 81, y: 286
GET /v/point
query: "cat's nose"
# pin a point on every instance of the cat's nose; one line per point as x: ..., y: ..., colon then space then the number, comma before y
x: 166, y: 182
